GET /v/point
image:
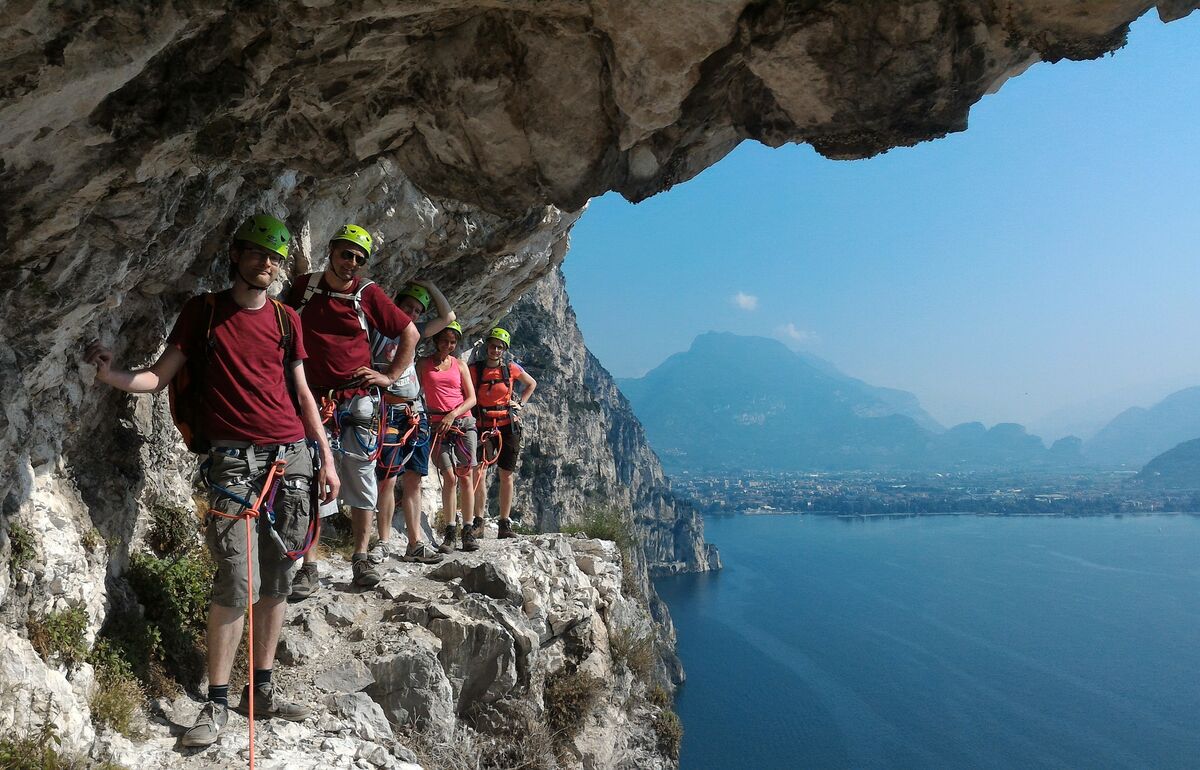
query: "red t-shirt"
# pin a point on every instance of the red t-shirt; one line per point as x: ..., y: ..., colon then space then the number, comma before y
x: 335, y: 340
x: 246, y: 395
x: 494, y: 393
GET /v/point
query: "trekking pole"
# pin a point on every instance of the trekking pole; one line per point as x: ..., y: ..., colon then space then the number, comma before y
x: 276, y: 469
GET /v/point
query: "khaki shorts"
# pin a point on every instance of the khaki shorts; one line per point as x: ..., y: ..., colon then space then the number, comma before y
x: 459, y: 452
x: 240, y: 470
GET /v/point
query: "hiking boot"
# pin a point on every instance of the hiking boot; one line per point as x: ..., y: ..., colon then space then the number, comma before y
x: 506, y: 530
x: 207, y: 727
x: 469, y: 543
x: 268, y: 704
x: 479, y: 525
x: 365, y: 573
x: 305, y: 584
x: 421, y: 552
x: 447, y: 545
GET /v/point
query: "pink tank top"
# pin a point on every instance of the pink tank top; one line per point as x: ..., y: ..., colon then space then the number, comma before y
x: 443, y: 390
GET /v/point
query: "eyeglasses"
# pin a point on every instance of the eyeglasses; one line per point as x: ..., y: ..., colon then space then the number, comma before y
x: 270, y: 256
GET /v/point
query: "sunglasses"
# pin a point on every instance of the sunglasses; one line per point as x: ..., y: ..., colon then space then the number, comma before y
x: 359, y: 259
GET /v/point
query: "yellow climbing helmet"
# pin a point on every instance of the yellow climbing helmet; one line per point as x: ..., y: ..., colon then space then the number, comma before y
x: 456, y: 327
x: 356, y: 235
x: 265, y: 231
x: 500, y: 334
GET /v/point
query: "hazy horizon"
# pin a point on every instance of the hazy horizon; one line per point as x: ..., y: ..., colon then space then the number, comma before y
x: 1038, y: 268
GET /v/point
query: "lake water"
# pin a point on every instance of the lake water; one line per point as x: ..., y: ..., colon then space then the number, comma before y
x: 953, y: 642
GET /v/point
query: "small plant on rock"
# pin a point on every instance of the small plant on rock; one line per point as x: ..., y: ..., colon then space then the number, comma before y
x: 669, y: 732
x: 21, y: 547
x: 658, y: 696
x: 568, y: 698
x: 175, y: 594
x: 171, y: 530
x: 634, y: 651
x: 119, y: 697
x: 60, y: 636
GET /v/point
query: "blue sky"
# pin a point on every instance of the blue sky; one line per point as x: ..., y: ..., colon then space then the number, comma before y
x: 1043, y: 267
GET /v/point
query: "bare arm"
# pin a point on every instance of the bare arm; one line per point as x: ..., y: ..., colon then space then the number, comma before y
x: 149, y: 380
x: 444, y: 314
x: 406, y: 348
x: 327, y: 481
x: 468, y: 391
x: 530, y: 384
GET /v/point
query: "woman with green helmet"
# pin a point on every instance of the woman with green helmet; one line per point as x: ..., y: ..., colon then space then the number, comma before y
x: 407, y: 441
x: 497, y: 414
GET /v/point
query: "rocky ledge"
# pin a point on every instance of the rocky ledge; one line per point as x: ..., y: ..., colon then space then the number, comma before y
x: 528, y: 653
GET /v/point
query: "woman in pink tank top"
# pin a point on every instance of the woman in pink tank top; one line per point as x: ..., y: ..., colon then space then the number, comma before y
x: 449, y: 398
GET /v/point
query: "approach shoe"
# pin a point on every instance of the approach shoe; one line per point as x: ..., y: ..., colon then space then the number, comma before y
x: 469, y: 542
x: 506, y: 530
x: 447, y: 544
x: 207, y: 727
x: 305, y: 583
x: 268, y: 704
x: 421, y: 552
x: 366, y: 574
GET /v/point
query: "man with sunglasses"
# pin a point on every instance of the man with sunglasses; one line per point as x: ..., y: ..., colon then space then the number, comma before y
x: 247, y: 354
x: 339, y: 309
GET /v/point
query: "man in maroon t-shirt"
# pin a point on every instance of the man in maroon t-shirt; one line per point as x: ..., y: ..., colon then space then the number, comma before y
x: 339, y: 308
x: 251, y: 419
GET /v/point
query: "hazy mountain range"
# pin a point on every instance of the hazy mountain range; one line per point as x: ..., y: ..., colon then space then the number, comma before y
x: 732, y: 401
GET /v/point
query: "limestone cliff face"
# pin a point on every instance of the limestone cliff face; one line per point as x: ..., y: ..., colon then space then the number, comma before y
x: 584, y: 450
x: 467, y: 134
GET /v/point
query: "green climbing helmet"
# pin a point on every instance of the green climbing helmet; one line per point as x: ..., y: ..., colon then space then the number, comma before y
x: 265, y: 231
x: 419, y: 293
x: 500, y: 334
x: 354, y: 234
x: 455, y: 326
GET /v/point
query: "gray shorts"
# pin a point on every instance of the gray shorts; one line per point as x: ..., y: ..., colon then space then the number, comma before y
x: 456, y: 451
x: 357, y: 445
x: 240, y: 470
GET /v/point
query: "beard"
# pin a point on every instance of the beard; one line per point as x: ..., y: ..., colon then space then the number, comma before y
x: 254, y: 279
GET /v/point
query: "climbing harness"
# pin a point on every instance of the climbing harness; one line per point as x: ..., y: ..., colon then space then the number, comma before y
x: 458, y: 448
x: 399, y: 413
x: 337, y: 416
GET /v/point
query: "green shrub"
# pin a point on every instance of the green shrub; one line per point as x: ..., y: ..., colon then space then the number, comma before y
x: 568, y: 698
x: 175, y: 594
x: 119, y: 696
x: 669, y: 731
x: 21, y: 547
x: 40, y: 752
x: 60, y: 636
x: 633, y: 651
x: 658, y: 696
x: 604, y: 524
x: 92, y: 539
x: 171, y: 530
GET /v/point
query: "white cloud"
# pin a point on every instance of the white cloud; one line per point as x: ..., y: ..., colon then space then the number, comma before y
x: 789, y: 332
x: 745, y: 301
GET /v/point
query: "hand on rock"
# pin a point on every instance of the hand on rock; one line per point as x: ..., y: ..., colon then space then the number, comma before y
x: 100, y: 357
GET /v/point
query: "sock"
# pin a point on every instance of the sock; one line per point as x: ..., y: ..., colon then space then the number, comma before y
x: 262, y: 676
x: 358, y: 556
x: 219, y: 693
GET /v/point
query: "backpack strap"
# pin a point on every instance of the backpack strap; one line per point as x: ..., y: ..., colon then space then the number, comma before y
x: 313, y: 287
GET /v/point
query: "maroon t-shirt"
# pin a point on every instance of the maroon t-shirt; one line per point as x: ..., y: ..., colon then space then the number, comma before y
x: 246, y: 395
x: 335, y: 340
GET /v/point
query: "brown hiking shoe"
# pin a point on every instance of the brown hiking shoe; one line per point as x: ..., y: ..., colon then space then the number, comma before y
x: 447, y: 545
x: 421, y: 552
x: 478, y: 525
x: 305, y: 584
x: 506, y: 530
x: 268, y: 704
x: 366, y: 574
x: 469, y: 542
